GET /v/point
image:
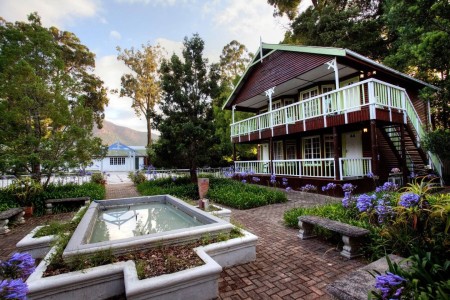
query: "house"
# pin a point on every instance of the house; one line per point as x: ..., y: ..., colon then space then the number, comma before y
x: 329, y: 115
x: 121, y: 158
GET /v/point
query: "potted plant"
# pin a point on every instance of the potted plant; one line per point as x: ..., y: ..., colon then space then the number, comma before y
x: 23, y: 190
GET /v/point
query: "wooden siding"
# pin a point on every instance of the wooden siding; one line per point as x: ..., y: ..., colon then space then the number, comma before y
x: 276, y: 69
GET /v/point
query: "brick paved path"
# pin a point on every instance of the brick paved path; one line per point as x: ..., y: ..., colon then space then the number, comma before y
x: 285, y: 268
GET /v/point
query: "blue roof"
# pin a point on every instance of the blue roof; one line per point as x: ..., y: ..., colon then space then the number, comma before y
x: 121, y: 147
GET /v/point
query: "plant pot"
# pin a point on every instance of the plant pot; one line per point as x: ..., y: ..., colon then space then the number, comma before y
x: 28, y: 211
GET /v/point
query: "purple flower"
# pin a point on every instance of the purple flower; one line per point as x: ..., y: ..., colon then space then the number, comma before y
x: 256, y: 179
x: 284, y: 181
x: 288, y: 189
x: 383, y: 211
x: 244, y: 181
x: 329, y: 186
x: 20, y: 265
x: 390, y: 285
x: 347, y: 199
x: 386, y: 187
x: 273, y: 179
x: 412, y: 175
x: 348, y: 187
x: 365, y: 202
x: 308, y: 188
x: 370, y: 175
x: 409, y: 200
x: 174, y: 178
x: 13, y: 289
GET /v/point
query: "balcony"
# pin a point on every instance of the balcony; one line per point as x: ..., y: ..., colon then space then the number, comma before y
x: 365, y: 100
x: 317, y: 168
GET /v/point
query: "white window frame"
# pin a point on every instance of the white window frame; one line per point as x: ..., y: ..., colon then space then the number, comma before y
x: 117, y: 161
x: 328, y: 139
x: 312, y: 152
x: 278, y: 151
x: 308, y: 91
x: 293, y: 145
x: 349, y: 81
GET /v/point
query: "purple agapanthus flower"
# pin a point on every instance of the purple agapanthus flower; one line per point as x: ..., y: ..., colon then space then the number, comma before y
x: 13, y: 289
x: 329, y: 186
x: 244, y: 181
x: 346, y: 201
x: 348, y: 187
x: 273, y: 179
x: 288, y: 189
x: 284, y: 181
x: 174, y: 178
x: 390, y: 285
x: 20, y: 265
x: 383, y: 210
x: 308, y: 188
x: 256, y: 179
x: 387, y: 187
x: 365, y: 202
x: 409, y: 200
x: 370, y: 175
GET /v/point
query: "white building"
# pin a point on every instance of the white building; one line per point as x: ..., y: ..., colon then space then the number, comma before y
x: 121, y: 158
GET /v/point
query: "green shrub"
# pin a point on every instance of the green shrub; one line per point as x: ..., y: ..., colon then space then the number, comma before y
x: 137, y: 177
x: 98, y: 178
x: 224, y: 191
x: 7, y: 200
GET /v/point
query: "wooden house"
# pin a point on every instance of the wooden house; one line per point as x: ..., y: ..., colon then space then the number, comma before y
x: 329, y: 114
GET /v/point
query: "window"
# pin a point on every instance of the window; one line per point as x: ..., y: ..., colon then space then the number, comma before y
x: 329, y: 146
x: 291, y: 150
x: 311, y: 107
x: 278, y: 150
x: 116, y: 161
x: 311, y: 147
x: 288, y: 102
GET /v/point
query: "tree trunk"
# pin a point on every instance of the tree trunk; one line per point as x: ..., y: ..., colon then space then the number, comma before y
x: 149, y: 133
x: 193, y: 173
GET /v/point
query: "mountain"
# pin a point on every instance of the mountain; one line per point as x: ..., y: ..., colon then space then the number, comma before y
x: 111, y: 133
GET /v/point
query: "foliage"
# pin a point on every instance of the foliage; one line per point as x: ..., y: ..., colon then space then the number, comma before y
x: 54, y: 228
x: 142, y: 84
x: 438, y: 142
x: 234, y: 59
x: 399, y: 222
x: 13, y: 274
x: 50, y: 100
x: 137, y: 177
x: 421, y: 276
x: 24, y: 189
x: 98, y: 178
x: 224, y: 191
x: 186, y: 123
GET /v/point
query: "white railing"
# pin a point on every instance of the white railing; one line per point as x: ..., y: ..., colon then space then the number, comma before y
x: 254, y: 166
x: 354, y: 167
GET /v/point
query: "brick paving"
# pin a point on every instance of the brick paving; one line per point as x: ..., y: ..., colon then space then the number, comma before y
x: 285, y: 268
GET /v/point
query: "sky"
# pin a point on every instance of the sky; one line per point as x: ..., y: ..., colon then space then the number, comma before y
x: 102, y: 25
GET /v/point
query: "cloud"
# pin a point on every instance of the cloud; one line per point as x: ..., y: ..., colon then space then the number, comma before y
x: 119, y: 110
x: 155, y: 2
x: 246, y: 21
x: 170, y: 47
x: 53, y: 12
x: 115, y: 35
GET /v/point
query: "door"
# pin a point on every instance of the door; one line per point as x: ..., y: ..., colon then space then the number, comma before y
x: 136, y: 163
x: 265, y: 156
x: 352, y: 151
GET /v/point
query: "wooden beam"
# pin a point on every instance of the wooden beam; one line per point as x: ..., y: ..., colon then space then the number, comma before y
x: 234, y: 152
x: 271, y: 154
x: 403, y: 149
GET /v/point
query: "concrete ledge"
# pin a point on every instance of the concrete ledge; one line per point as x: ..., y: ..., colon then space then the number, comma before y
x: 223, y: 213
x: 36, y: 247
x: 115, y: 279
x: 358, y: 284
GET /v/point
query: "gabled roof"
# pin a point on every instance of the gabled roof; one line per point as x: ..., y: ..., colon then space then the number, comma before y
x: 268, y: 49
x: 119, y: 149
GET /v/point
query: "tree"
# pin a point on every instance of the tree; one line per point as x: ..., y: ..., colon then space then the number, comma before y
x: 142, y: 85
x: 186, y: 123
x: 421, y: 49
x: 49, y: 100
x: 234, y: 59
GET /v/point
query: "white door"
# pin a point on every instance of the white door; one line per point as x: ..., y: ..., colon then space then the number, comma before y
x: 265, y: 156
x: 352, y: 151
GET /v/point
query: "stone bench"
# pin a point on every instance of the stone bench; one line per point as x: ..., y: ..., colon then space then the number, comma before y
x: 49, y: 202
x: 358, y: 284
x: 13, y: 214
x: 350, y: 234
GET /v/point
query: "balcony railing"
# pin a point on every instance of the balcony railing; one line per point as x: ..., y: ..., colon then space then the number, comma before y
x: 320, y: 168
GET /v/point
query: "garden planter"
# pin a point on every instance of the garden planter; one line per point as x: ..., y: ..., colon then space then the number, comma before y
x: 121, y: 278
x: 36, y: 247
x: 28, y: 211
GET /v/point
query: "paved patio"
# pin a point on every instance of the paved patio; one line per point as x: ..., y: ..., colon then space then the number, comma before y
x: 285, y: 268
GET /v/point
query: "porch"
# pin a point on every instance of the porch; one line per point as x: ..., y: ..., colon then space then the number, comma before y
x: 370, y: 99
x: 327, y: 168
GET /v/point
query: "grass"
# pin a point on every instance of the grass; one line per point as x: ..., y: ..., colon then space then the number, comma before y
x: 222, y: 191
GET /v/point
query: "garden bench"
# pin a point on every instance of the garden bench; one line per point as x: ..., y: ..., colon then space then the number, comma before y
x: 13, y: 214
x: 49, y: 202
x: 350, y: 234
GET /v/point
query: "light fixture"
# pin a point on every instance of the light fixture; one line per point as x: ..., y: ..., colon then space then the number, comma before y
x: 364, y: 129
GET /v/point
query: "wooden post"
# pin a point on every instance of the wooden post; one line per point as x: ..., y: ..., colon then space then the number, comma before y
x: 271, y: 155
x: 373, y: 141
x: 404, y: 167
x: 337, y: 153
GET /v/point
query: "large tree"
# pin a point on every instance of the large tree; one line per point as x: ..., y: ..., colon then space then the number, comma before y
x: 49, y: 99
x: 142, y: 84
x: 234, y: 59
x: 186, y: 123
